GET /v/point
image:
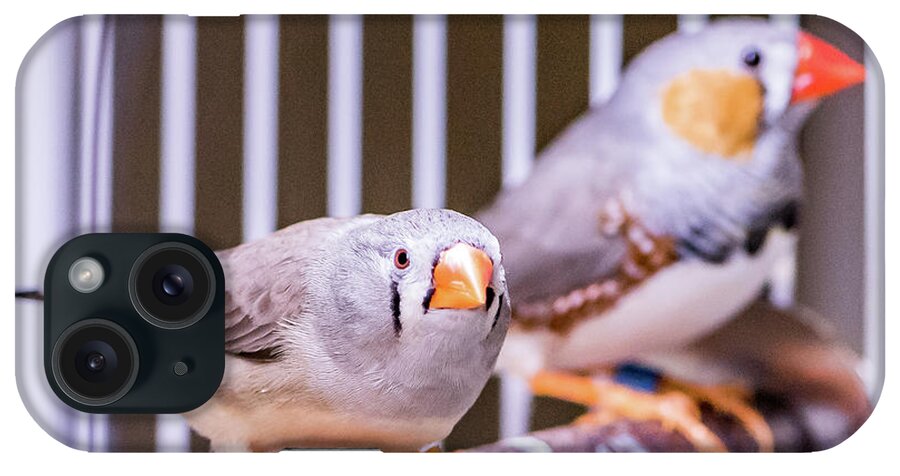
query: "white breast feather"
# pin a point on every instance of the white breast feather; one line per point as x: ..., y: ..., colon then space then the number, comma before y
x: 677, y: 305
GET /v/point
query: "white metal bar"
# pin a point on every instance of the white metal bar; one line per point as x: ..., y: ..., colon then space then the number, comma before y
x: 515, y: 405
x: 873, y: 331
x: 177, y: 165
x: 429, y: 126
x: 95, y: 181
x: 519, y: 122
x: 519, y: 97
x: 345, y: 115
x: 260, y: 210
x: 81, y: 429
x: 606, y: 56
x: 786, y: 21
x: 178, y: 123
x: 95, y: 84
x: 90, y: 77
x: 99, y: 433
x: 46, y: 195
x: 172, y: 435
x: 692, y: 23
x: 103, y: 180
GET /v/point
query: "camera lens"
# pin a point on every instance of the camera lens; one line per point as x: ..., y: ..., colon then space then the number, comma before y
x: 95, y: 362
x: 172, y: 285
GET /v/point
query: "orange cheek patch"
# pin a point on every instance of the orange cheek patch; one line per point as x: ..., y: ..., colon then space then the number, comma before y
x: 715, y: 110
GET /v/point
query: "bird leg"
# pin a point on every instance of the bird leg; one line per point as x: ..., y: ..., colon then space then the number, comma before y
x: 729, y: 399
x: 611, y: 401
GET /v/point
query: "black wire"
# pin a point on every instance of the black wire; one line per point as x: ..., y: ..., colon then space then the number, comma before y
x: 33, y: 294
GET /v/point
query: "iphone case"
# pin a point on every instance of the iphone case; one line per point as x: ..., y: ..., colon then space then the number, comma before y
x: 228, y: 129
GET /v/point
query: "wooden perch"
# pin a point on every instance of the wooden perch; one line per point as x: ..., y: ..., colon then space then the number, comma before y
x: 795, y: 430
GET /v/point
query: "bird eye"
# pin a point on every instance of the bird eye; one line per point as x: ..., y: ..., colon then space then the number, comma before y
x: 401, y: 259
x: 752, y: 57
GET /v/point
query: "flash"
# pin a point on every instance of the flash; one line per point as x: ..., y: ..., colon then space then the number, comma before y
x: 86, y: 275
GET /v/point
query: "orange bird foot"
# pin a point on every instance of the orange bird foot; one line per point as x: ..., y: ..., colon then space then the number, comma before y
x: 730, y: 399
x: 675, y: 406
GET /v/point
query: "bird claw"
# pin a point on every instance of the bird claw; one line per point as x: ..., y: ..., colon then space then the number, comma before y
x: 676, y: 406
x: 730, y: 399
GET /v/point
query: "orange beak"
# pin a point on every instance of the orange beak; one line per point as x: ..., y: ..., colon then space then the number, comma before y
x: 822, y: 69
x: 461, y: 278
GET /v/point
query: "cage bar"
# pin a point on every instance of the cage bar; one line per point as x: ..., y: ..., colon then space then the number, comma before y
x: 345, y: 116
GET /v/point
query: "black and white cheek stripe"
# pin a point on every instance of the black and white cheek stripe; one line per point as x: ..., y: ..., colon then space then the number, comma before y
x: 499, y: 308
x: 395, y: 308
x: 426, y: 302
